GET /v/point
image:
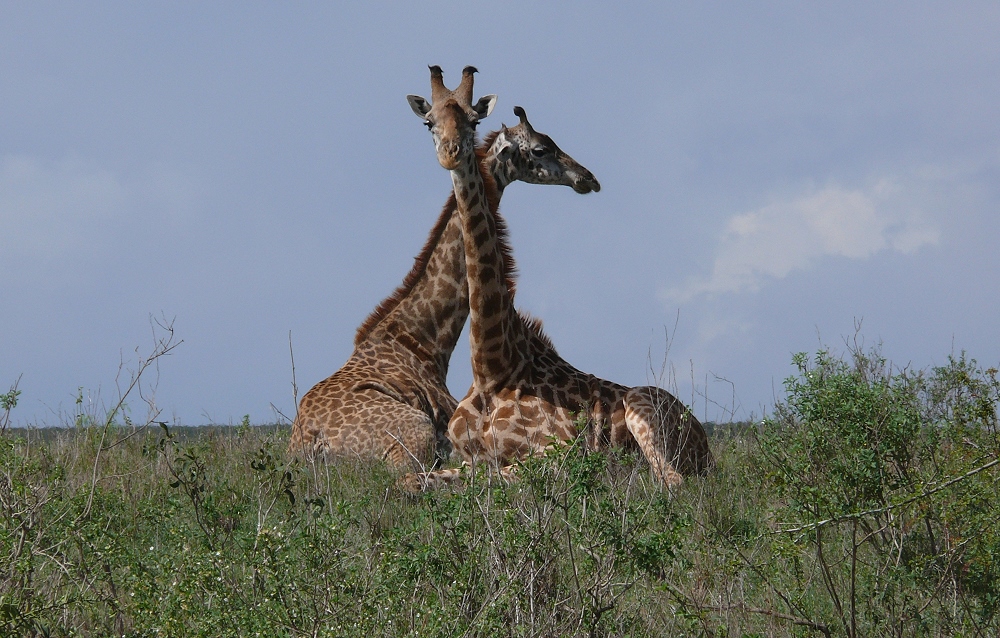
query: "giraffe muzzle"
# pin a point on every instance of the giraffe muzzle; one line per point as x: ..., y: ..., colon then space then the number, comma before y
x: 586, y: 183
x: 448, y: 155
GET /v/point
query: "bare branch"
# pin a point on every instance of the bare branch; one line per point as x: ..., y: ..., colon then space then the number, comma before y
x: 887, y: 508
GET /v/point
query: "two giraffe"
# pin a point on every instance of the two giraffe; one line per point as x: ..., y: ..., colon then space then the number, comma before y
x: 390, y: 400
x: 524, y: 395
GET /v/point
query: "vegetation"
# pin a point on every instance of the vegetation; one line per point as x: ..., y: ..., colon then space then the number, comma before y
x: 865, y: 505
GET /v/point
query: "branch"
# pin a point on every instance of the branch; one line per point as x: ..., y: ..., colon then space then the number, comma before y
x: 295, y: 386
x: 162, y: 347
x: 887, y: 508
x: 7, y: 402
x: 795, y: 620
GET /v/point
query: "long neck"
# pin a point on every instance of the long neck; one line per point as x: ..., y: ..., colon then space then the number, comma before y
x: 432, y: 304
x: 497, y: 339
x: 430, y: 308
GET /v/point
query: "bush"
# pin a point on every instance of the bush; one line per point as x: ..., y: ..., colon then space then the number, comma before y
x: 865, y: 505
x: 888, y: 478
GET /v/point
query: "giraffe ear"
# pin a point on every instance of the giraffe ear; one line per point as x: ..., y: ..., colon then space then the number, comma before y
x: 505, y: 153
x: 485, y: 105
x: 420, y: 106
x: 502, y: 146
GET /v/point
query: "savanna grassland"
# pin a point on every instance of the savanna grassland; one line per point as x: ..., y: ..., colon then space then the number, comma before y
x: 866, y: 504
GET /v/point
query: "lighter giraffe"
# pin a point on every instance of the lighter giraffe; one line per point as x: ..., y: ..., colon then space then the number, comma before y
x: 390, y: 399
x: 524, y: 396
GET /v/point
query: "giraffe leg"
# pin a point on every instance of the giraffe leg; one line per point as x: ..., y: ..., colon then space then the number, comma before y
x: 668, y: 434
x: 409, y: 440
x: 416, y: 482
x: 405, y: 434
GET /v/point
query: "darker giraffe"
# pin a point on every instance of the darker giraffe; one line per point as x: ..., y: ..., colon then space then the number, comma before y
x: 390, y: 399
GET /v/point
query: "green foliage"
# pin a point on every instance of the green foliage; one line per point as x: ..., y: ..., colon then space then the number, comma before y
x: 888, y: 479
x: 558, y: 551
x: 846, y: 437
x: 8, y: 401
x: 222, y: 535
x: 866, y: 505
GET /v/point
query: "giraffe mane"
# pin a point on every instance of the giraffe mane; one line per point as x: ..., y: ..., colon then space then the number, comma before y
x: 493, y: 198
x: 387, y: 305
x: 509, y: 268
x: 534, y: 326
x: 487, y: 142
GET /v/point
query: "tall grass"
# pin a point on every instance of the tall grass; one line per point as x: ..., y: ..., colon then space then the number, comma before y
x: 866, y: 505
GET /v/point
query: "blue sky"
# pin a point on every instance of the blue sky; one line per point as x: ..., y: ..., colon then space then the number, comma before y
x: 772, y: 177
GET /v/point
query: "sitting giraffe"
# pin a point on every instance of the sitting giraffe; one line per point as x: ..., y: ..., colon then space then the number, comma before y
x: 524, y: 396
x: 390, y: 399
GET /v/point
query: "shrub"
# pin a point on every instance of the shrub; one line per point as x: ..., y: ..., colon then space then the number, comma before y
x: 865, y: 505
x: 888, y: 478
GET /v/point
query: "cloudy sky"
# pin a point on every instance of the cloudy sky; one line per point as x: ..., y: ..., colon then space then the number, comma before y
x: 774, y: 175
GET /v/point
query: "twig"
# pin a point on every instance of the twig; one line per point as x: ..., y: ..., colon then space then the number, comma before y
x: 163, y: 346
x: 887, y: 508
x: 784, y: 598
x: 795, y: 620
x: 9, y: 401
x: 831, y: 586
x: 280, y: 413
x: 407, y: 450
x: 295, y: 386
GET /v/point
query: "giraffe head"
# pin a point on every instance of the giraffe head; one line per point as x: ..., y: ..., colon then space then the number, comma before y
x: 530, y: 156
x: 451, y: 116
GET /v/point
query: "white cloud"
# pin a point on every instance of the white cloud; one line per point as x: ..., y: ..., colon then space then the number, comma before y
x: 793, y: 234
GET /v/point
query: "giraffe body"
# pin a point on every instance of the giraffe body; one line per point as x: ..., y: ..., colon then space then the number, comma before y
x: 524, y: 396
x: 545, y: 405
x: 390, y: 400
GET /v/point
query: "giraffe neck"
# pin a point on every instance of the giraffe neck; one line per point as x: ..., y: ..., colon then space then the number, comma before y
x: 496, y: 335
x: 432, y: 304
x: 429, y: 310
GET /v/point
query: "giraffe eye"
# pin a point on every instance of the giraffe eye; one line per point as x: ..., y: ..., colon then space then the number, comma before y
x: 428, y: 124
x: 475, y: 123
x: 538, y: 151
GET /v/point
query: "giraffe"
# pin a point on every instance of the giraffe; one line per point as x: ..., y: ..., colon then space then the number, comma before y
x: 524, y: 396
x: 390, y: 399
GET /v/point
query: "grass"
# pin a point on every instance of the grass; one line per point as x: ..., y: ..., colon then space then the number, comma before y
x: 865, y: 506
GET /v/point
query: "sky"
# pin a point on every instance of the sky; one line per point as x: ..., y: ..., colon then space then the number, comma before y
x: 776, y: 178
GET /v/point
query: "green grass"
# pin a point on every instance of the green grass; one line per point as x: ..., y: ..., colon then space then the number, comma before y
x: 867, y: 505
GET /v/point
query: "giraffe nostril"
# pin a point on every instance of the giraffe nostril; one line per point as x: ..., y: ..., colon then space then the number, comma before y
x: 448, y: 157
x: 586, y: 184
x: 591, y: 181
